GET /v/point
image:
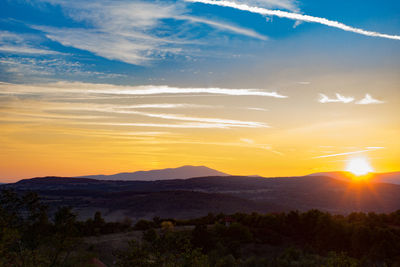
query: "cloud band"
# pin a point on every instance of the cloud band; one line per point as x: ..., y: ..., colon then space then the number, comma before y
x: 295, y: 16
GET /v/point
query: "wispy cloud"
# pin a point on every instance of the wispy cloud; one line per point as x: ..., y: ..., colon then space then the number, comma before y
x: 21, y: 67
x: 19, y: 43
x: 171, y: 125
x: 34, y: 68
x: 233, y: 144
x: 153, y: 90
x: 176, y: 117
x: 295, y: 16
x: 13, y: 49
x: 350, y: 153
x: 247, y: 140
x: 304, y: 83
x: 135, y: 32
x: 291, y: 5
x: 339, y: 99
x: 109, y: 89
x: 164, y: 106
x: 257, y: 109
x: 40, y: 117
x: 24, y: 58
x: 108, y: 45
x: 227, y: 122
x: 226, y: 27
x: 251, y: 143
x: 119, y: 30
x: 368, y: 99
x: 375, y: 147
x: 39, y: 102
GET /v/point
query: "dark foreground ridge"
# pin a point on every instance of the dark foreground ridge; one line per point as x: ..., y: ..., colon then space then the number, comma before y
x: 30, y: 237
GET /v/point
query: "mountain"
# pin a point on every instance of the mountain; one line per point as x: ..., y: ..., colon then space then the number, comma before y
x: 389, y: 177
x: 163, y: 174
x: 194, y: 197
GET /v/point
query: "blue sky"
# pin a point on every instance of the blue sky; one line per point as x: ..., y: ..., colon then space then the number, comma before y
x: 279, y: 87
x: 133, y: 42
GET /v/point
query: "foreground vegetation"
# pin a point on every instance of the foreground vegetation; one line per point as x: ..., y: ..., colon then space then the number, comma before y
x: 30, y: 237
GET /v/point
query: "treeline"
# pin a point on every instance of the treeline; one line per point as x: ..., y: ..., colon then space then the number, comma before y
x: 30, y: 237
x: 312, y: 238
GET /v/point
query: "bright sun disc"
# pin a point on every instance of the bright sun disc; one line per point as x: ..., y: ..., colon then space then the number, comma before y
x: 359, y: 166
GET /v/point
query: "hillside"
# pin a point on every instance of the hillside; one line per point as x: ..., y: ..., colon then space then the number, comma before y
x: 183, y: 172
x: 186, y: 198
x: 389, y: 177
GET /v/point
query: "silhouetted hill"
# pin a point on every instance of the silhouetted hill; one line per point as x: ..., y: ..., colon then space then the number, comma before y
x: 54, y: 180
x: 389, y: 177
x: 185, y: 198
x: 183, y: 172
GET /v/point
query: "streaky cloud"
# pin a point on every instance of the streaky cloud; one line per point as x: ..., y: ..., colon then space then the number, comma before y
x: 21, y: 44
x: 304, y: 83
x: 339, y: 99
x: 349, y: 153
x: 178, y: 117
x: 165, y: 106
x: 233, y: 144
x: 291, y: 5
x: 170, y: 125
x: 257, y: 109
x: 134, y: 32
x: 42, y: 105
x: 120, y: 30
x: 368, y: 99
x: 224, y: 26
x: 13, y: 49
x: 375, y: 147
x: 236, y: 123
x: 46, y: 116
x: 109, y: 89
x: 295, y: 16
x: 153, y: 90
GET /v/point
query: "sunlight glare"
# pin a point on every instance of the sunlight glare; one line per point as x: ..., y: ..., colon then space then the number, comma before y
x: 359, y: 166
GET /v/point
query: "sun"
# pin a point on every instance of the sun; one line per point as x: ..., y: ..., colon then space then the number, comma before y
x: 359, y: 166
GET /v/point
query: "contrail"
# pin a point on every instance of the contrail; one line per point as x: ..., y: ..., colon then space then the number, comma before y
x: 295, y: 16
x: 349, y: 153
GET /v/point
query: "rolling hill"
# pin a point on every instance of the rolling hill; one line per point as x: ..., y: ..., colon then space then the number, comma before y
x: 389, y: 177
x: 162, y: 174
x: 188, y: 198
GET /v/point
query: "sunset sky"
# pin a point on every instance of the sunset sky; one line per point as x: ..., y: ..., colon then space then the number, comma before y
x: 267, y: 87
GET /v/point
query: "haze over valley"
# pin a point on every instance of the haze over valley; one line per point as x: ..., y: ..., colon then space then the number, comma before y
x: 174, y: 193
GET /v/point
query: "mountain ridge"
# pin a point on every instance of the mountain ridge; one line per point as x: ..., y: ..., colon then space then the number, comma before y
x: 386, y: 177
x: 183, y: 172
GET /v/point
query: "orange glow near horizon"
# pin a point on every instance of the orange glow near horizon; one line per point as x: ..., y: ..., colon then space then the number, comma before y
x: 359, y: 166
x: 70, y: 131
x: 361, y: 178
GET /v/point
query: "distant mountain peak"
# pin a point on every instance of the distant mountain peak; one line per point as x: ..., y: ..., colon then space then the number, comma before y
x: 183, y: 172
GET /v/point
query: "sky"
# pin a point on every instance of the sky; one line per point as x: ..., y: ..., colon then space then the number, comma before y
x: 267, y: 87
